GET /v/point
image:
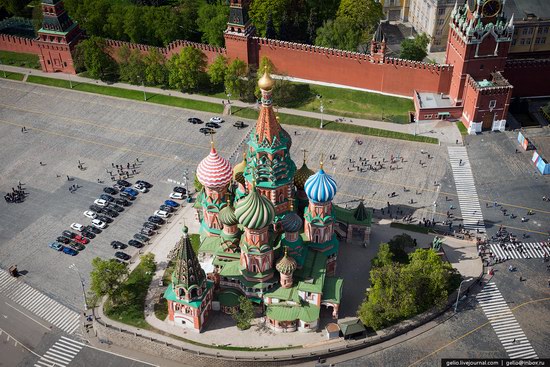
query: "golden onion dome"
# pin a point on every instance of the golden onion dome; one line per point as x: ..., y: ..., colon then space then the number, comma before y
x: 266, y: 82
x: 302, y: 175
x: 239, y: 168
x: 287, y: 264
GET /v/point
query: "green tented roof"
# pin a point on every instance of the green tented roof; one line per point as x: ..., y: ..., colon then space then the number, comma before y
x: 170, y: 295
x: 351, y: 327
x: 332, y: 290
x: 348, y: 215
x: 286, y: 312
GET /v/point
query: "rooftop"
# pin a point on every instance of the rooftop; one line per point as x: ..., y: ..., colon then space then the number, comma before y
x: 542, y: 144
x: 434, y: 100
x: 525, y: 8
x: 286, y: 312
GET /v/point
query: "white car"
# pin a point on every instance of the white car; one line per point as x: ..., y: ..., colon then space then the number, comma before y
x: 98, y: 224
x: 90, y: 214
x: 77, y: 227
x: 177, y: 195
x: 217, y: 120
x: 161, y: 213
x: 100, y: 202
x: 140, y: 188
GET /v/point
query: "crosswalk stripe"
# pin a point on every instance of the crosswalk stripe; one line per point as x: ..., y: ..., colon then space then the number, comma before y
x: 504, y: 323
x: 54, y: 353
x: 533, y: 250
x: 58, y: 349
x: 73, y: 341
x: 54, y: 358
x: 61, y: 353
x: 69, y: 346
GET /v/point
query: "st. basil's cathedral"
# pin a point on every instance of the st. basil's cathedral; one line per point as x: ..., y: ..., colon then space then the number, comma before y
x: 268, y: 230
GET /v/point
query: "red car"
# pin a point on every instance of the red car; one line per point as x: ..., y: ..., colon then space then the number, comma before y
x: 81, y: 239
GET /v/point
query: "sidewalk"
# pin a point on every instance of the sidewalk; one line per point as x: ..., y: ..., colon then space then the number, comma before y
x: 445, y: 131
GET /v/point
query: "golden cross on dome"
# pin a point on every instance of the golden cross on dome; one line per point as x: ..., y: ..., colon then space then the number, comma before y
x: 304, y: 151
x: 321, y: 163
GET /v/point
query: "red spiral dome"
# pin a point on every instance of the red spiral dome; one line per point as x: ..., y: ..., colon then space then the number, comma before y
x: 214, y: 171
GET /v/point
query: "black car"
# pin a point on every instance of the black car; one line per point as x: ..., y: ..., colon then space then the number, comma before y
x: 135, y: 244
x: 167, y: 208
x: 155, y: 219
x: 122, y: 255
x: 62, y: 239
x: 96, y: 208
x: 92, y: 229
x: 194, y: 120
x: 68, y: 234
x: 76, y: 246
x: 118, y: 245
x: 105, y: 218
x: 110, y: 190
x: 212, y: 125
x: 114, y: 207
x: 111, y: 213
x: 144, y: 183
x: 150, y: 225
x: 179, y: 189
x: 127, y: 196
x: 88, y: 234
x: 106, y: 197
x: 240, y: 125
x: 147, y: 231
x: 207, y: 131
x: 141, y: 238
x: 122, y: 202
x: 124, y: 183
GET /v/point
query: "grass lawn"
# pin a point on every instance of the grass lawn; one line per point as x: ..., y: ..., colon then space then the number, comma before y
x: 20, y: 59
x: 353, y: 103
x: 461, y: 128
x: 12, y: 76
x: 133, y: 292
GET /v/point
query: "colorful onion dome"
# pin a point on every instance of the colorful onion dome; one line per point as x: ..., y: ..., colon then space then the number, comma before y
x: 239, y: 168
x: 265, y: 82
x: 320, y: 188
x: 239, y: 177
x: 301, y: 176
x: 227, y: 216
x: 287, y: 264
x: 255, y: 211
x: 292, y: 222
x: 214, y: 170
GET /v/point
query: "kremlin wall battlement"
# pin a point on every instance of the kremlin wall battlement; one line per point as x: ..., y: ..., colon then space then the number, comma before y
x: 18, y: 44
x: 528, y: 76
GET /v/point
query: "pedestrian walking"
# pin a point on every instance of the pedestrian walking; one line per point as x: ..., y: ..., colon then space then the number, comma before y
x: 41, y: 163
x: 68, y: 178
x: 113, y: 165
x: 460, y: 163
x: 22, y: 130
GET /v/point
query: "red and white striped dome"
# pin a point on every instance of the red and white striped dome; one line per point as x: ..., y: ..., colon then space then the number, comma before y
x: 214, y: 171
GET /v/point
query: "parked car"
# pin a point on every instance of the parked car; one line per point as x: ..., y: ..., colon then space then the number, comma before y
x: 180, y: 189
x: 56, y: 246
x: 76, y: 246
x: 69, y: 234
x: 111, y: 213
x: 141, y: 188
x: 212, y: 125
x: 115, y: 207
x: 147, y: 232
x: 95, y: 208
x: 122, y: 255
x: 92, y: 229
x: 144, y: 183
x: 194, y: 120
x: 150, y: 225
x: 88, y: 234
x: 171, y: 203
x: 90, y: 214
x: 207, y: 131
x: 99, y: 224
x: 177, y: 196
x: 131, y: 191
x: 77, y: 227
x: 167, y: 208
x: 110, y: 190
x: 70, y: 251
x: 135, y: 244
x: 161, y: 213
x: 127, y: 196
x: 118, y: 187
x: 124, y: 183
x: 122, y: 202
x: 81, y: 239
x: 217, y: 120
x: 240, y: 125
x: 106, y: 197
x: 155, y: 219
x: 105, y: 218
x: 62, y: 239
x: 100, y: 202
x: 118, y: 245
x: 141, y: 238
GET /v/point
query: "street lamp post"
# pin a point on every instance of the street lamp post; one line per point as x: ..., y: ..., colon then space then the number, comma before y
x: 70, y: 81
x: 458, y: 294
x: 3, y: 70
x: 321, y: 108
x: 229, y: 102
x: 143, y: 86
x: 185, y: 173
x: 73, y: 267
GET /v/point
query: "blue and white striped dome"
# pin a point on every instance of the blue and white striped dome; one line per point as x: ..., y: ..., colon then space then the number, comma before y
x: 320, y: 187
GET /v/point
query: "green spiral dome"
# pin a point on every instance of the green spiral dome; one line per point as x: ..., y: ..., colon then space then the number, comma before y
x: 255, y: 211
x: 227, y: 216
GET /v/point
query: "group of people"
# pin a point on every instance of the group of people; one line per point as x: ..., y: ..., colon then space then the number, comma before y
x: 123, y: 171
x: 16, y: 196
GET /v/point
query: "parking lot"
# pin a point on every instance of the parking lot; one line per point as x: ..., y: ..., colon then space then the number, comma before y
x: 65, y: 127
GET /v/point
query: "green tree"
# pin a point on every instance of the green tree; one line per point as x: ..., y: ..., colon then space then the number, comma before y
x: 383, y: 257
x: 133, y: 24
x: 399, y: 245
x: 197, y: 184
x: 260, y: 10
x: 244, y: 316
x: 15, y: 7
x: 364, y: 14
x: 234, y: 82
x: 212, y: 21
x: 415, y: 49
x: 186, y: 69
x: 106, y: 276
x: 131, y: 66
x: 312, y: 25
x: 270, y: 31
x: 155, y: 68
x: 340, y: 33
x: 96, y: 59
x: 217, y: 70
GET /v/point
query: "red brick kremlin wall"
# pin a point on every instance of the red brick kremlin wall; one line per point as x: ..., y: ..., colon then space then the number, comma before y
x: 18, y: 44
x: 530, y: 77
